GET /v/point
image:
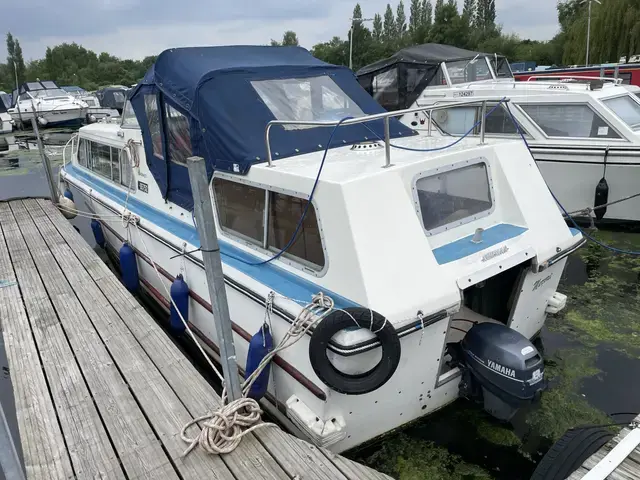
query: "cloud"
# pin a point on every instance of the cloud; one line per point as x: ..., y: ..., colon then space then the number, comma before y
x: 137, y: 28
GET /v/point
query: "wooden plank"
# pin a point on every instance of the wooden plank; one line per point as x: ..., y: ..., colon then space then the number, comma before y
x: 134, y: 440
x: 163, y: 409
x: 296, y: 457
x: 43, y: 448
x: 251, y: 460
x: 579, y: 473
x: 86, y: 438
x: 353, y: 470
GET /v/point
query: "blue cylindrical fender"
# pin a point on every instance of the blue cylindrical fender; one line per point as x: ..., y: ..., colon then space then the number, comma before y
x: 68, y: 194
x: 98, y: 234
x: 129, y: 268
x: 259, y: 346
x: 180, y: 296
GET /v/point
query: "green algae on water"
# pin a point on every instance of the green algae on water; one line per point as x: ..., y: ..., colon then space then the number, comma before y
x: 409, y: 459
x: 562, y: 407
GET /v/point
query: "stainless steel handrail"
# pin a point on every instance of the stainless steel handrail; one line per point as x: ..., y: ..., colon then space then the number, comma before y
x: 616, y: 81
x: 378, y: 116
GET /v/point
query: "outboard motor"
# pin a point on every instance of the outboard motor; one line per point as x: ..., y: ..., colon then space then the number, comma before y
x: 500, y: 368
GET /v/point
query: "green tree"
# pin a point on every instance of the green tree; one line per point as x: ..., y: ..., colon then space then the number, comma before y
x: 15, y: 61
x: 389, y: 27
x: 335, y: 51
x: 415, y: 19
x: 469, y: 10
x: 377, y: 27
x: 290, y: 39
x: 401, y: 20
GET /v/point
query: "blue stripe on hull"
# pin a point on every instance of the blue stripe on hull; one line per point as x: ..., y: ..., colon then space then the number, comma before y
x: 464, y: 247
x: 276, y: 278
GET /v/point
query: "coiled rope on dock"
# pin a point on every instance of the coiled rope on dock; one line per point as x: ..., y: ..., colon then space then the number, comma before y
x: 223, y: 429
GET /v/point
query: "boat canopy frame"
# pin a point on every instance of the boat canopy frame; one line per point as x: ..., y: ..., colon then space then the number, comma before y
x: 226, y: 112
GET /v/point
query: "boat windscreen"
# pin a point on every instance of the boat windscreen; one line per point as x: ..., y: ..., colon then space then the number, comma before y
x: 464, y: 71
x: 626, y: 108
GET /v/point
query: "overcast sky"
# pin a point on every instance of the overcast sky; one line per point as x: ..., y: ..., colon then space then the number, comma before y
x: 136, y: 28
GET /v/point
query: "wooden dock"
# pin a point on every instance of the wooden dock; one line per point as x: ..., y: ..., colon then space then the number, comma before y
x: 619, y: 459
x: 100, y: 390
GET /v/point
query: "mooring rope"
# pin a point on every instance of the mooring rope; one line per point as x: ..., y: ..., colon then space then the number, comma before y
x: 223, y: 429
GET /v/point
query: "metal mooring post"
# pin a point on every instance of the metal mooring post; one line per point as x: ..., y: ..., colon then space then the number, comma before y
x: 9, y: 460
x: 45, y: 160
x: 213, y: 269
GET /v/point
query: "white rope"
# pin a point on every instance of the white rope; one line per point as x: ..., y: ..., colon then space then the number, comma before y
x: 223, y: 429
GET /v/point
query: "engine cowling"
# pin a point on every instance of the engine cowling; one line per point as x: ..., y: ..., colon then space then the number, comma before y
x: 500, y: 367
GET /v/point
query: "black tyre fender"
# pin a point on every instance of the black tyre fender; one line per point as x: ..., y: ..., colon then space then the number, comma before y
x: 364, y: 382
x: 570, y: 451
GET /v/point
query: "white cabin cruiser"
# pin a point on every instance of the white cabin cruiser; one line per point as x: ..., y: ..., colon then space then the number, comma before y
x: 51, y: 105
x: 584, y: 132
x: 441, y: 265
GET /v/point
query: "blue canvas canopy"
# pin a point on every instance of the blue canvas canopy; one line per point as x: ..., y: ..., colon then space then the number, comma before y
x: 222, y: 99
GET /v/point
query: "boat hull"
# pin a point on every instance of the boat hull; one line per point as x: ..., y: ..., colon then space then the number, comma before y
x: 74, y: 117
x: 418, y: 387
x: 572, y: 176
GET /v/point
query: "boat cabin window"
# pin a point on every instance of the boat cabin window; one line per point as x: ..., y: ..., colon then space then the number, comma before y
x: 153, y: 117
x: 626, y: 108
x: 129, y: 119
x: 306, y: 99
x: 241, y: 213
x: 384, y: 88
x: 178, y: 135
x: 454, y: 197
x: 569, y: 120
x: 463, y: 71
x: 109, y: 162
x: 459, y: 120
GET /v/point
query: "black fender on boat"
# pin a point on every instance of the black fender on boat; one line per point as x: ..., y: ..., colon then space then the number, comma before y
x: 364, y: 382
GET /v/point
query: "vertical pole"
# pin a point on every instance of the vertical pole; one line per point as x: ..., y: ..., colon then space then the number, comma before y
x: 482, y: 124
x: 429, y: 119
x: 351, y: 46
x: 45, y: 160
x: 10, y: 463
x: 215, y: 278
x: 387, y: 144
x: 15, y: 71
x: 588, y: 34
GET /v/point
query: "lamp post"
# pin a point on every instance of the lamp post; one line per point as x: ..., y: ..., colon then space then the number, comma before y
x: 351, y: 38
x: 589, y: 27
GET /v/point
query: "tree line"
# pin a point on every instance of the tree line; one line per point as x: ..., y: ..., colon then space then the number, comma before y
x: 615, y: 32
x: 70, y: 64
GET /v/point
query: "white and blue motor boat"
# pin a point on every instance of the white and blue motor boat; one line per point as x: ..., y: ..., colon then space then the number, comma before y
x: 442, y: 262
x: 50, y: 105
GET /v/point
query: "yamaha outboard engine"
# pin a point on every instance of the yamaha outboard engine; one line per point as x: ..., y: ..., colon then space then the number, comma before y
x: 500, y: 368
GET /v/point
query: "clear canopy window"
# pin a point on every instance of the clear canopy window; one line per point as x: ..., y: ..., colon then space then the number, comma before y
x: 569, y: 120
x: 454, y: 197
x: 306, y: 99
x: 626, y: 108
x: 460, y: 120
x: 129, y: 118
x: 474, y: 70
